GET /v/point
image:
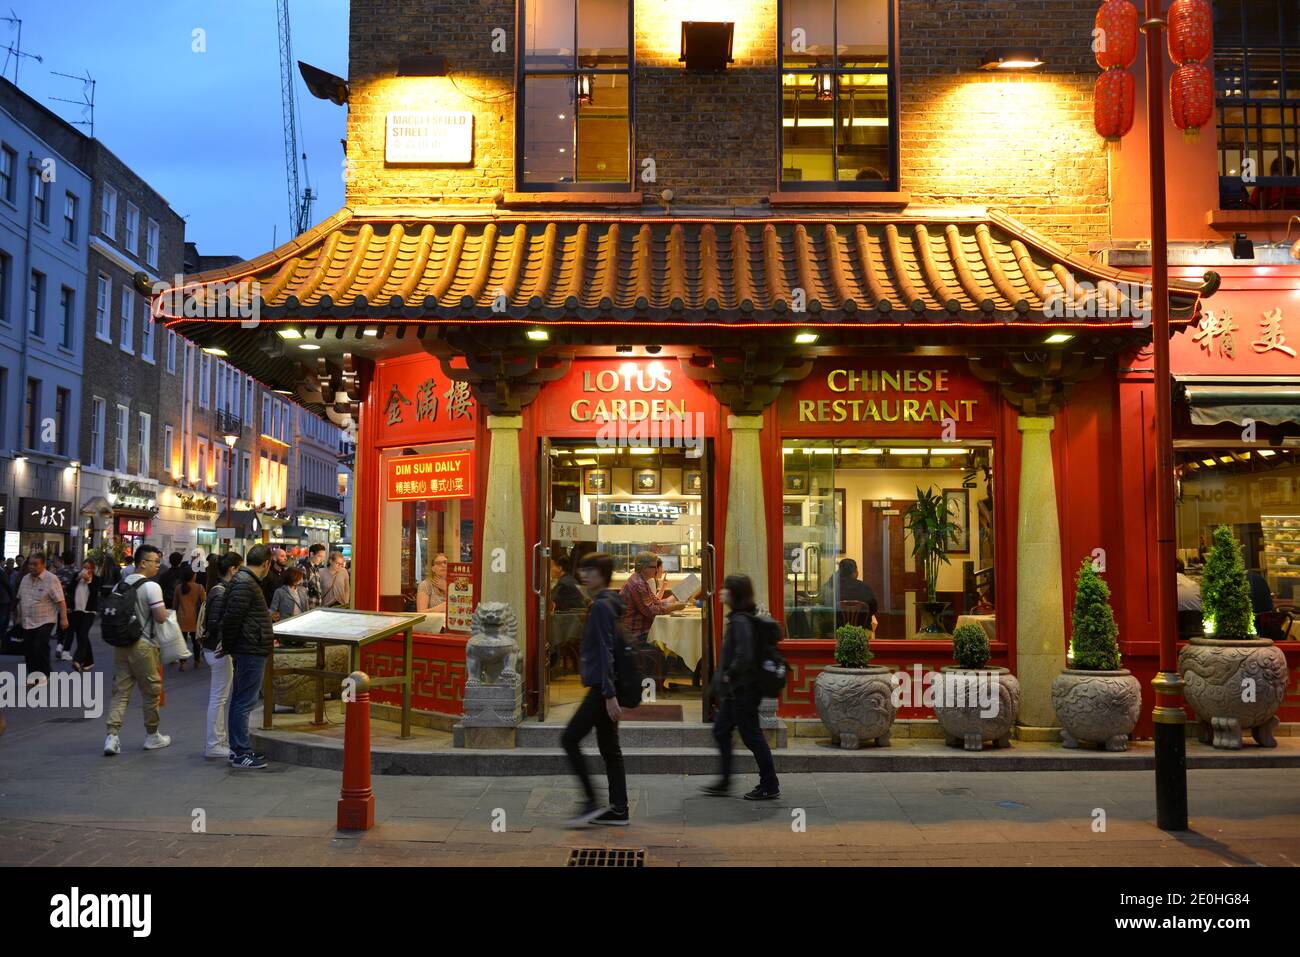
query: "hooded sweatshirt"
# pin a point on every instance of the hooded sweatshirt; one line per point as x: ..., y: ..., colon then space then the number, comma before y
x: 598, y: 637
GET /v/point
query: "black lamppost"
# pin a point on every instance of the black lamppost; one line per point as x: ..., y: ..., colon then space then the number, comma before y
x: 230, y: 432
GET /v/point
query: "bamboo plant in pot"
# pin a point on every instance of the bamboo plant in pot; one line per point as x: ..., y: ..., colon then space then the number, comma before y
x: 1095, y: 700
x: 1234, y: 679
x: 976, y: 702
x: 855, y: 698
x: 931, y: 529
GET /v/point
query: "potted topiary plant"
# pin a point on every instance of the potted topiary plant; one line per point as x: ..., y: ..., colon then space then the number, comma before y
x: 855, y: 698
x: 931, y: 529
x: 1095, y: 699
x: 975, y: 702
x: 1234, y: 679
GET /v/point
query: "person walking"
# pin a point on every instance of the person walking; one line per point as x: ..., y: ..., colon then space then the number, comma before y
x: 335, y: 584
x: 736, y: 687
x: 187, y: 600
x: 85, y: 602
x: 220, y: 666
x: 41, y: 612
x: 170, y: 578
x: 600, y: 708
x: 6, y: 598
x: 139, y: 662
x: 246, y: 635
x: 66, y: 572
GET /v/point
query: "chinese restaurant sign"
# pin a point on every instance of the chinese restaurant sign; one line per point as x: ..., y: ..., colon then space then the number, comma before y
x: 650, y: 400
x: 460, y: 596
x: 418, y: 403
x: 421, y: 477
x: 888, y: 397
x: 429, y: 138
x: 44, y: 515
x: 1242, y: 332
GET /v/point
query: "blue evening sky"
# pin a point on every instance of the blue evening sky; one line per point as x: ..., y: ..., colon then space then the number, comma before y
x: 204, y: 129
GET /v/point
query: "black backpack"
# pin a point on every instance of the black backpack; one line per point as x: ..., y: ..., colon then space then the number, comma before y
x: 771, y: 670
x: 627, y: 669
x: 119, y: 615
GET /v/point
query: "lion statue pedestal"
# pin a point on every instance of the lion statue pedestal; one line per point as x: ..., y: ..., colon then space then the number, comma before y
x: 494, y: 689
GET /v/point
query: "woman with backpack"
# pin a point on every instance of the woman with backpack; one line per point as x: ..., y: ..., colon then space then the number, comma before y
x: 220, y: 666
x: 187, y: 600
x: 736, y: 683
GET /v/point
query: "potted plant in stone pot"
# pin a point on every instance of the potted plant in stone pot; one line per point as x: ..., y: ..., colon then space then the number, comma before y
x: 1095, y: 700
x: 976, y: 703
x: 931, y: 528
x: 1234, y: 679
x: 855, y: 698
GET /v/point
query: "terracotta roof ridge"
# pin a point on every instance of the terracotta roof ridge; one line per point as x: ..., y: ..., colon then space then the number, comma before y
x: 276, y: 256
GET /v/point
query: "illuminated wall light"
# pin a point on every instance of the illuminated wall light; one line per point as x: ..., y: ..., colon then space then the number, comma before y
x: 1058, y: 338
x: 1011, y: 59
x: 906, y: 451
x: 1226, y: 458
x: 1266, y: 453
x: 309, y: 347
x: 288, y: 333
x: 1209, y: 463
x: 805, y: 338
x: 949, y: 451
x: 538, y: 335
x: 214, y: 351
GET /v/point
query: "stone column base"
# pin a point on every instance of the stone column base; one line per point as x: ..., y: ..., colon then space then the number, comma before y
x: 1024, y: 732
x: 493, y: 739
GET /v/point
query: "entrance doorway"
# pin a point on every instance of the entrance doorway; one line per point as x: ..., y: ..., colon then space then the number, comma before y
x: 627, y: 501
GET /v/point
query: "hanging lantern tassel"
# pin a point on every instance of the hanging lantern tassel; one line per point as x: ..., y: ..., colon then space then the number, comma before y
x: 1113, y: 102
x: 1191, y: 98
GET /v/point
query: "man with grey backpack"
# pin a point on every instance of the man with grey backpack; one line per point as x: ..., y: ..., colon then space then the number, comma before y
x: 129, y: 617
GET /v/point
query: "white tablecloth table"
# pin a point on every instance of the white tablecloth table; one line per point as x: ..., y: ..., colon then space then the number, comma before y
x: 683, y: 635
x: 434, y: 622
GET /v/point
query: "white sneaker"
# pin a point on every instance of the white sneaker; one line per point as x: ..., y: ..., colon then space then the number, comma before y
x: 217, y: 752
x: 112, y: 745
x: 155, y: 741
x: 58, y: 649
x: 65, y: 655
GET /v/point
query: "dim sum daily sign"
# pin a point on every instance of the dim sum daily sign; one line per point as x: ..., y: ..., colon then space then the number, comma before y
x: 419, y: 477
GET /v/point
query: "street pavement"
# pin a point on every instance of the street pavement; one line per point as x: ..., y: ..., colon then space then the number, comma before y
x: 63, y: 803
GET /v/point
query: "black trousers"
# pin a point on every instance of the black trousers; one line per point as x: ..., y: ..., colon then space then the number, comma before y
x: 591, y: 713
x: 741, y: 711
x: 36, y: 648
x: 81, y: 622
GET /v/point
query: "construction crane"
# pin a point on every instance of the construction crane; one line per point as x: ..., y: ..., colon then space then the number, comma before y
x: 299, y: 202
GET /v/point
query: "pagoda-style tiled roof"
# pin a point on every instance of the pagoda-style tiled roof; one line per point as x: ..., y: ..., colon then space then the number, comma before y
x: 926, y: 266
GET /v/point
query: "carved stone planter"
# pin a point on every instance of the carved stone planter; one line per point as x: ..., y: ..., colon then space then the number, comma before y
x: 1234, y: 686
x: 965, y: 721
x: 1099, y: 707
x: 856, y: 704
x: 299, y: 691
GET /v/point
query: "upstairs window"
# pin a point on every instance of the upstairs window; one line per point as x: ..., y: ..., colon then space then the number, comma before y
x: 575, y: 129
x: 839, y: 96
x: 108, y: 212
x: 1257, y: 95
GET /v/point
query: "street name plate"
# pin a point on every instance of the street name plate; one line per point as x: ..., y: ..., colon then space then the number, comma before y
x: 430, y: 138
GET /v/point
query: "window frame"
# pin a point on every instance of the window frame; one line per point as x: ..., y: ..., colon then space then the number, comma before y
x: 522, y: 73
x: 36, y: 311
x: 71, y: 207
x: 889, y: 185
x: 104, y: 317
x: 152, y: 240
x: 32, y: 414
x: 41, y: 197
x: 122, y: 440
x: 98, y: 422
x: 144, y: 438
x: 131, y: 235
x: 7, y: 182
x: 67, y: 317
x: 62, y: 412
x: 108, y: 210
x: 126, y: 317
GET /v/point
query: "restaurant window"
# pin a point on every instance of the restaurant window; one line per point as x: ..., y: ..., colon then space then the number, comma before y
x: 1257, y: 80
x: 848, y: 500
x: 575, y: 129
x: 839, y: 115
x: 1255, y: 492
x: 414, y: 533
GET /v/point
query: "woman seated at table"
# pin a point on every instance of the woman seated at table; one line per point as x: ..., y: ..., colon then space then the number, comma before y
x: 431, y: 593
x: 847, y: 587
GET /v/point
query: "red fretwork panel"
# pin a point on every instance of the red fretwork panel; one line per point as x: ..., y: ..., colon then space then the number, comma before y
x: 438, y: 665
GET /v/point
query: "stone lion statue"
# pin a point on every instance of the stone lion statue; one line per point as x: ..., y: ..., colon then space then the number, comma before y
x: 491, y: 653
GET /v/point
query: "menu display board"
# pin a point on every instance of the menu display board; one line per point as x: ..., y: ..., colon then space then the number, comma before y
x: 460, y: 596
x: 423, y: 477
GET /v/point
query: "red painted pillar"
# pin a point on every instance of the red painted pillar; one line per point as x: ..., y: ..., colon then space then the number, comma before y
x: 357, y: 800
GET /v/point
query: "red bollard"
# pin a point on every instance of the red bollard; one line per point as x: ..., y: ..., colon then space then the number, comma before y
x: 357, y: 800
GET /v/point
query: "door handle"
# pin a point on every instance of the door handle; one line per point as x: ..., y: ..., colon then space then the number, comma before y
x: 710, y: 580
x: 537, y: 570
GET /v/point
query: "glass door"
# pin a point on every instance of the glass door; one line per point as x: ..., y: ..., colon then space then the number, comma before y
x: 542, y: 578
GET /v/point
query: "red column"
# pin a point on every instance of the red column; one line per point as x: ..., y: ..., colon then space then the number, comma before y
x: 357, y: 801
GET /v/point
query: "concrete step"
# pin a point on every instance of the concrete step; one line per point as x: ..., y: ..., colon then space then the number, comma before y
x: 632, y: 735
x: 312, y: 750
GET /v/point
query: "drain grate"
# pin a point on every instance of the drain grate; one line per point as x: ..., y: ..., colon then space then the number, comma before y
x: 607, y: 857
x: 955, y: 792
x: 1011, y: 805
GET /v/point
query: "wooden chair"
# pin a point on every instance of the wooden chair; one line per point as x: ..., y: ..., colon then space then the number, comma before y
x: 854, y: 613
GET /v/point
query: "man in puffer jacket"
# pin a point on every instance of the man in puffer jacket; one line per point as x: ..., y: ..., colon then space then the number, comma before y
x: 246, y: 635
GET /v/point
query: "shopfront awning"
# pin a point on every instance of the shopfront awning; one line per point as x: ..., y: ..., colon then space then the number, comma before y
x: 1212, y: 400
x: 97, y: 505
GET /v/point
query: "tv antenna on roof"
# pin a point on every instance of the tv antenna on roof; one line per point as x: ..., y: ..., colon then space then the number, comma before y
x: 87, y: 101
x: 15, y: 50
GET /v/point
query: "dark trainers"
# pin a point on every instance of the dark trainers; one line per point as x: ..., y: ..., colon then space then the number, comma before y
x: 613, y: 817
x: 763, y: 794
x: 247, y: 762
x: 589, y: 811
x: 717, y: 789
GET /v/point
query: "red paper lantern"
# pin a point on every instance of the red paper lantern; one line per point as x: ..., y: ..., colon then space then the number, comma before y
x: 1191, y: 25
x: 1117, y: 39
x: 1191, y: 97
x: 1112, y: 108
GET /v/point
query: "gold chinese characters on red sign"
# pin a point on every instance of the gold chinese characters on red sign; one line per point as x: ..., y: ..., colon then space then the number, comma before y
x: 420, y: 477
